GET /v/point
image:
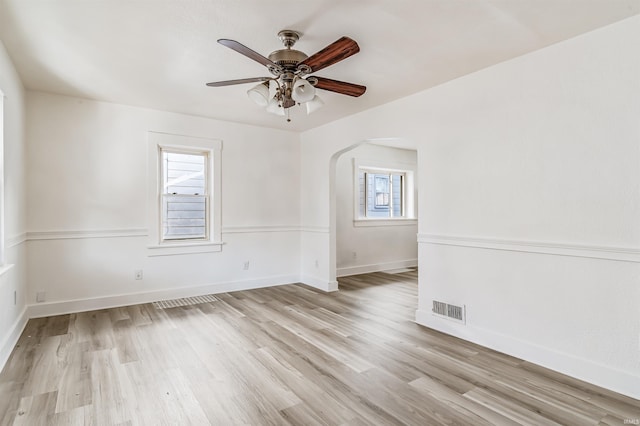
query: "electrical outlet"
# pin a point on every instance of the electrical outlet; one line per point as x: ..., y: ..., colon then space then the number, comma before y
x: 41, y: 296
x: 317, y: 263
x: 245, y: 266
x: 137, y: 274
x: 355, y: 255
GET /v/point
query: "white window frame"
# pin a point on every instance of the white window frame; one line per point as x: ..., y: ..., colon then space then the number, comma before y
x: 408, y: 196
x: 212, y: 148
x: 163, y: 193
x: 3, y: 267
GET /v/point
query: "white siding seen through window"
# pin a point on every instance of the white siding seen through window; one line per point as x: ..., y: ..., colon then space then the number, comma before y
x: 382, y: 194
x: 185, y: 199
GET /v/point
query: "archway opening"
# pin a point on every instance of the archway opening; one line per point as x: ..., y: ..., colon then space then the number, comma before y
x: 373, y: 208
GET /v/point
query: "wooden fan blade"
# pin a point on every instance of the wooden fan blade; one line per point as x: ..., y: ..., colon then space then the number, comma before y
x: 340, y: 87
x: 335, y: 52
x: 244, y: 50
x: 240, y: 81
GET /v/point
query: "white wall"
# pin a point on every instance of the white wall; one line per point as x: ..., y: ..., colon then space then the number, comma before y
x: 87, y: 198
x: 362, y: 249
x: 529, y: 202
x: 12, y: 278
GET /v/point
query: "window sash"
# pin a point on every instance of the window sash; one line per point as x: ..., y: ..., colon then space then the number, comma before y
x: 184, y: 223
x: 379, y: 199
x: 182, y: 217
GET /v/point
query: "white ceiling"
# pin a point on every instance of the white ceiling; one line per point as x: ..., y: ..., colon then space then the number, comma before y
x: 160, y: 53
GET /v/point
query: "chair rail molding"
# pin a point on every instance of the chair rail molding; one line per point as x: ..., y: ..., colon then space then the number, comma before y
x: 259, y: 229
x: 78, y: 234
x: 315, y: 229
x: 16, y: 240
x: 622, y: 254
x: 143, y: 232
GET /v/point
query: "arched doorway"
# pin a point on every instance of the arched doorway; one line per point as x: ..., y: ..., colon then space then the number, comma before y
x: 365, y: 237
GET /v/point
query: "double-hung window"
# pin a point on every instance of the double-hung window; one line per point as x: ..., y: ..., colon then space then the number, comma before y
x: 384, y: 193
x: 184, y: 194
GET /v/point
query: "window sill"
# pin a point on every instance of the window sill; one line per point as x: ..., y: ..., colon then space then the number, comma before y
x: 384, y: 222
x: 173, y: 249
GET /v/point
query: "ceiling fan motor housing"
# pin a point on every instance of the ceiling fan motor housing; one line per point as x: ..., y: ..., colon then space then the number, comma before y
x: 287, y: 58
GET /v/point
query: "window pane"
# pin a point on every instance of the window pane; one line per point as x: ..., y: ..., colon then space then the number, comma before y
x: 382, y: 191
x: 381, y: 194
x: 378, y: 195
x: 184, y: 200
x: 184, y: 173
x: 184, y: 217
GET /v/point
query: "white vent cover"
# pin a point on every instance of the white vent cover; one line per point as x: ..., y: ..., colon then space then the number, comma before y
x: 453, y: 312
x: 187, y: 301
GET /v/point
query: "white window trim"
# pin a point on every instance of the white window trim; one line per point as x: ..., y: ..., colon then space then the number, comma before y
x: 409, y: 169
x: 4, y: 267
x: 399, y: 221
x: 213, y: 147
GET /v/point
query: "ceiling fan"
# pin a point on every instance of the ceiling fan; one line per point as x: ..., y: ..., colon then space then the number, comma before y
x: 291, y: 83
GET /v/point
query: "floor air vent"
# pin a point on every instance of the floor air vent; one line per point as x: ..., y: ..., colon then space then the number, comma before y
x: 453, y: 312
x: 164, y: 304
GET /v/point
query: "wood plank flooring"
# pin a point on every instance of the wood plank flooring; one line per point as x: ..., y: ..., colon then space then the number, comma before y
x: 279, y: 356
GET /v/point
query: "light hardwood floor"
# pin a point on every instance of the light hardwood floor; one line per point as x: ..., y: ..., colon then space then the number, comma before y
x: 283, y: 355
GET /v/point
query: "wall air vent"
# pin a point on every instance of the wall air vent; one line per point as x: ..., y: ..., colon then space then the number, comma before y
x: 440, y: 308
x: 452, y: 312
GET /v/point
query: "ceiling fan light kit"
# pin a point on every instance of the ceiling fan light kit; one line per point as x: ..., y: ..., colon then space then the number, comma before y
x: 303, y: 91
x: 274, y: 107
x: 260, y: 94
x: 314, y: 104
x: 291, y: 84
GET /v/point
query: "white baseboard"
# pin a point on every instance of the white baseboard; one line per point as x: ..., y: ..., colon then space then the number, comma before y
x: 38, y: 310
x: 11, y: 339
x: 579, y: 368
x: 320, y: 284
x: 376, y: 267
